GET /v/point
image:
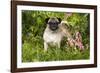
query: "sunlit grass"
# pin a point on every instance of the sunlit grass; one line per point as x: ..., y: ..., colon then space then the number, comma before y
x: 33, y: 52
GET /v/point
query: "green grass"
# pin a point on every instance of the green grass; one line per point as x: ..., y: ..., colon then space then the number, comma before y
x: 34, y: 52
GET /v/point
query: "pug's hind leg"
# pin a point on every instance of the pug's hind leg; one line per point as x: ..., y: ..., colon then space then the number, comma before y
x: 58, y: 44
x: 45, y: 46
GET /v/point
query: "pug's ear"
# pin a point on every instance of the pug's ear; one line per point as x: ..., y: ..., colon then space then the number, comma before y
x: 59, y: 20
x: 46, y: 20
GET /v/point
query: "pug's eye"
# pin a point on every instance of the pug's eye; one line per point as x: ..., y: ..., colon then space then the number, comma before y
x: 53, y: 23
x: 50, y: 22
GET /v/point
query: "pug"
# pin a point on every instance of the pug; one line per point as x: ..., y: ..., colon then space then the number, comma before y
x: 54, y: 32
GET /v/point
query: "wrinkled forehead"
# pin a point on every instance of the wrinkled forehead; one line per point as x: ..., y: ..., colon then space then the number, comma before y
x: 53, y: 20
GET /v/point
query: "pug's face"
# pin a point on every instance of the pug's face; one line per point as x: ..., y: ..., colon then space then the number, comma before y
x: 53, y: 23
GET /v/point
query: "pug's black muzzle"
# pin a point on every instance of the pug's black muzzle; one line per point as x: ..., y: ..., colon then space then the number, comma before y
x: 53, y: 27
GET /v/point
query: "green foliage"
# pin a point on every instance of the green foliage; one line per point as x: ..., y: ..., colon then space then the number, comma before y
x: 33, y: 26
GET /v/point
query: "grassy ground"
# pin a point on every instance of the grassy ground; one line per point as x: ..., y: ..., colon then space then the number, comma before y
x: 34, y: 52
